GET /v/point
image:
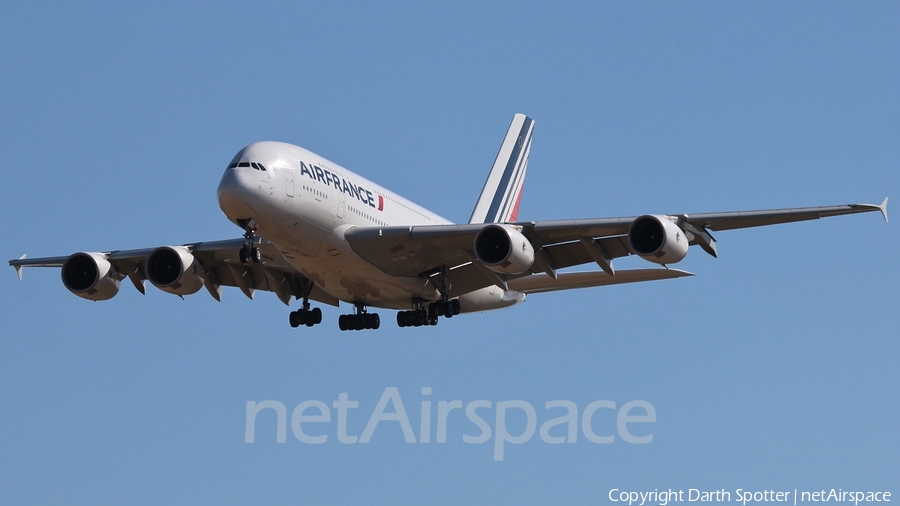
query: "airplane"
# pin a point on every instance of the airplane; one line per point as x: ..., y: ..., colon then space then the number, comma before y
x: 315, y: 231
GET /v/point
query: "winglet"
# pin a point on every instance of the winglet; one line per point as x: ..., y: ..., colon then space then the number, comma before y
x: 19, y: 267
x: 883, y: 208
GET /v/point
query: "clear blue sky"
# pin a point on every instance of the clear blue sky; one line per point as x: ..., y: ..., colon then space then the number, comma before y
x: 776, y: 367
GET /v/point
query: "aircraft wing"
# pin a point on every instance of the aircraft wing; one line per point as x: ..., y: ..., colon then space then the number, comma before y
x: 220, y: 266
x: 425, y: 250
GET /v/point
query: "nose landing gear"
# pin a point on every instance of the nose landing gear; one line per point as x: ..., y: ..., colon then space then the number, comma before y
x: 250, y: 250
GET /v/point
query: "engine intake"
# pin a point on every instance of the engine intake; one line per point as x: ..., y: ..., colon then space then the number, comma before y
x: 90, y: 276
x: 657, y: 239
x: 504, y: 249
x: 173, y: 269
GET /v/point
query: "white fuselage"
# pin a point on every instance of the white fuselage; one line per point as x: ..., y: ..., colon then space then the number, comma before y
x: 304, y: 203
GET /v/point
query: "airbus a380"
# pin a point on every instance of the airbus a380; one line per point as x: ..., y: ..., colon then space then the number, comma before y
x: 315, y: 231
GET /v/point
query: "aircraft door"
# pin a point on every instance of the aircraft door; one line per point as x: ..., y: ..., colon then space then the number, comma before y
x: 341, y: 205
x: 289, y: 182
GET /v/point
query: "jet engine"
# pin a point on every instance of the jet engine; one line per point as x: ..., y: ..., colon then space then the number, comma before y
x: 503, y: 248
x: 90, y: 276
x: 174, y: 270
x: 657, y: 239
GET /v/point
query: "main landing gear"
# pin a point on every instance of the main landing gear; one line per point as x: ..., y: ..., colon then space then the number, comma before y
x: 428, y: 316
x: 306, y: 315
x: 359, y: 320
x: 250, y: 250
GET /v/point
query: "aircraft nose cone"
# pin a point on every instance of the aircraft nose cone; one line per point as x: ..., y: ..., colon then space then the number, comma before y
x: 232, y: 194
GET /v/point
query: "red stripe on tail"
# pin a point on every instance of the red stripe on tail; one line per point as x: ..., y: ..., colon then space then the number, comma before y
x: 514, y: 216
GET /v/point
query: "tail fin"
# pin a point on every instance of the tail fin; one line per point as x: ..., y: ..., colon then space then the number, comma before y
x: 502, y: 192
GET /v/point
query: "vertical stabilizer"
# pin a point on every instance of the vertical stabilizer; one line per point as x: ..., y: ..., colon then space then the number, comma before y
x: 502, y: 192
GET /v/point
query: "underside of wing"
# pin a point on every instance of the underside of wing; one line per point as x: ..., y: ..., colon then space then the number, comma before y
x: 564, y: 281
x: 181, y: 270
x: 426, y: 250
x: 747, y: 219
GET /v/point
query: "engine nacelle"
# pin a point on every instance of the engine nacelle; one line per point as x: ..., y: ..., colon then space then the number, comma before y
x: 488, y: 298
x: 502, y: 248
x: 90, y: 276
x: 173, y: 269
x: 657, y: 239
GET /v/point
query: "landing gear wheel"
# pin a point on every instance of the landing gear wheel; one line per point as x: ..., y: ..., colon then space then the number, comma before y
x: 360, y: 320
x: 255, y: 255
x: 308, y: 317
x: 243, y: 255
x: 305, y: 315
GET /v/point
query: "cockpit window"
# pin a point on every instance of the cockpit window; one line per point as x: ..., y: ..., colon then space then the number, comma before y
x: 255, y: 165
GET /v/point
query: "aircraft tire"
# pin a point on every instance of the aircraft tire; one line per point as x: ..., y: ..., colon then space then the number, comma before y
x: 295, y: 319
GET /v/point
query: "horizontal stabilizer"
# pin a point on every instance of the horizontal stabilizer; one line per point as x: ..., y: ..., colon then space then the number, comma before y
x: 539, y: 283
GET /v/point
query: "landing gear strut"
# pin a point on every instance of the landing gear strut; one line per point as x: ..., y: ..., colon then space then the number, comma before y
x: 359, y: 320
x: 250, y: 250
